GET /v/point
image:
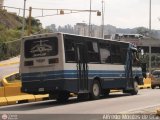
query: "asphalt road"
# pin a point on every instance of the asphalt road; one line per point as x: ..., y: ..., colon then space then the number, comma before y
x: 116, y: 103
x: 5, y: 70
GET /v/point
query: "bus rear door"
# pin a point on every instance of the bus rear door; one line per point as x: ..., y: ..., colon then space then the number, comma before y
x: 82, y: 68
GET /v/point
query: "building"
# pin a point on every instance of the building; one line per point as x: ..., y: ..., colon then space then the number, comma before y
x: 1, y: 3
x: 96, y: 31
x: 82, y: 29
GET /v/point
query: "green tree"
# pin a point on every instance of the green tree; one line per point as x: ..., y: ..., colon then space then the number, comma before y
x: 36, y: 25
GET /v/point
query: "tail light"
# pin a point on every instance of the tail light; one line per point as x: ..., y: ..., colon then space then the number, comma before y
x: 28, y: 63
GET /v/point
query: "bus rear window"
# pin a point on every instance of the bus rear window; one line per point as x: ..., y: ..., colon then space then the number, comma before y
x: 41, y: 47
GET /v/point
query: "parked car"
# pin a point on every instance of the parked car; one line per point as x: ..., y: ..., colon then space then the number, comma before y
x: 155, y: 79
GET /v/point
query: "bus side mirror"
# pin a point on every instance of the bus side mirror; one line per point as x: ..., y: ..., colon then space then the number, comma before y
x: 142, y: 52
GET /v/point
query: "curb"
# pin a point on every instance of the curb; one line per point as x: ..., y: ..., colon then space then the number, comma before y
x: 112, y: 91
x: 41, y: 97
x: 144, y: 86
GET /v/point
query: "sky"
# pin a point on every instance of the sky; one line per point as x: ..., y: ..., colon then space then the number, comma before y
x: 119, y: 13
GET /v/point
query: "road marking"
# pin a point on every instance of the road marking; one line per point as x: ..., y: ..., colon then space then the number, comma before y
x: 7, y: 64
x: 140, y: 108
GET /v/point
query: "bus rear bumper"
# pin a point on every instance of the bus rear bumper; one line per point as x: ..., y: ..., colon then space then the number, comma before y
x: 51, y: 86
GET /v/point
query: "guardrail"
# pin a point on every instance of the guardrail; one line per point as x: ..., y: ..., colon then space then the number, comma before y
x: 147, y: 83
x: 10, y: 91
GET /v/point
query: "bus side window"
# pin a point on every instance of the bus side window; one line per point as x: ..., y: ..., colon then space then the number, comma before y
x: 124, y: 54
x: 105, y: 53
x: 116, y: 54
x: 93, y: 54
x: 69, y: 50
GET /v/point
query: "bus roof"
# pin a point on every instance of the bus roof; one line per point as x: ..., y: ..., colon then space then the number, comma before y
x: 52, y: 34
x: 101, y: 39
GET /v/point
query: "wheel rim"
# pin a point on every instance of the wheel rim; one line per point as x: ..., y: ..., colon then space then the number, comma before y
x: 136, y: 86
x: 96, y: 89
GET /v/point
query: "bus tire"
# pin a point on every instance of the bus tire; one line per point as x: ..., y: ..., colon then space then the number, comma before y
x: 51, y: 96
x: 62, y: 97
x: 153, y: 87
x: 106, y: 92
x: 135, y: 88
x: 95, y: 90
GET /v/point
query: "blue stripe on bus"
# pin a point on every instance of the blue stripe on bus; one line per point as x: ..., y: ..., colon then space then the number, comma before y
x: 66, y: 74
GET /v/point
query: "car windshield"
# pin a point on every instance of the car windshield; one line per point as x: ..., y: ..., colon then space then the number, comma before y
x: 156, y: 73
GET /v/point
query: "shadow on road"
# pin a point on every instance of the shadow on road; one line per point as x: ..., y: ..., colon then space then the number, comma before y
x: 53, y: 103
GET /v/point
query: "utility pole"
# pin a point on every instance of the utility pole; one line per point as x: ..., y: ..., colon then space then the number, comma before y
x: 23, y: 24
x: 102, y: 19
x: 29, y: 20
x: 150, y: 68
x: 90, y: 15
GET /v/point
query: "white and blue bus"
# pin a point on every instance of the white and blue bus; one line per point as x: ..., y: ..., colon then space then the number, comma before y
x: 59, y: 64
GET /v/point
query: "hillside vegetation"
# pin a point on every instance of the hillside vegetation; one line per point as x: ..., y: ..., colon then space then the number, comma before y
x: 11, y: 31
x: 10, y: 25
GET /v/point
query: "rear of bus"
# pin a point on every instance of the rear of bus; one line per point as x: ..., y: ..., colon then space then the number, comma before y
x: 41, y: 63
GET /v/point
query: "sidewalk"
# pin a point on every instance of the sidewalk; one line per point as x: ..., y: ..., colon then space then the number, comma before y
x: 10, y: 61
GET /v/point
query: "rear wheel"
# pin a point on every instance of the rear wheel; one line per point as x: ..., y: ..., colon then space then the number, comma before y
x: 95, y: 90
x: 51, y: 96
x: 105, y: 92
x: 152, y: 86
x: 135, y: 88
x: 60, y: 96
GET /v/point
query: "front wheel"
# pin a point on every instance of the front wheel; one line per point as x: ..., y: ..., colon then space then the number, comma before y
x: 95, y: 90
x: 135, y: 88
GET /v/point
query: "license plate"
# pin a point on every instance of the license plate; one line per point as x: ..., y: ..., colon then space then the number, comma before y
x: 41, y: 89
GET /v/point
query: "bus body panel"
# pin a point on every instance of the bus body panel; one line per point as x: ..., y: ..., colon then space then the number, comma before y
x: 42, y: 77
x: 112, y: 76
